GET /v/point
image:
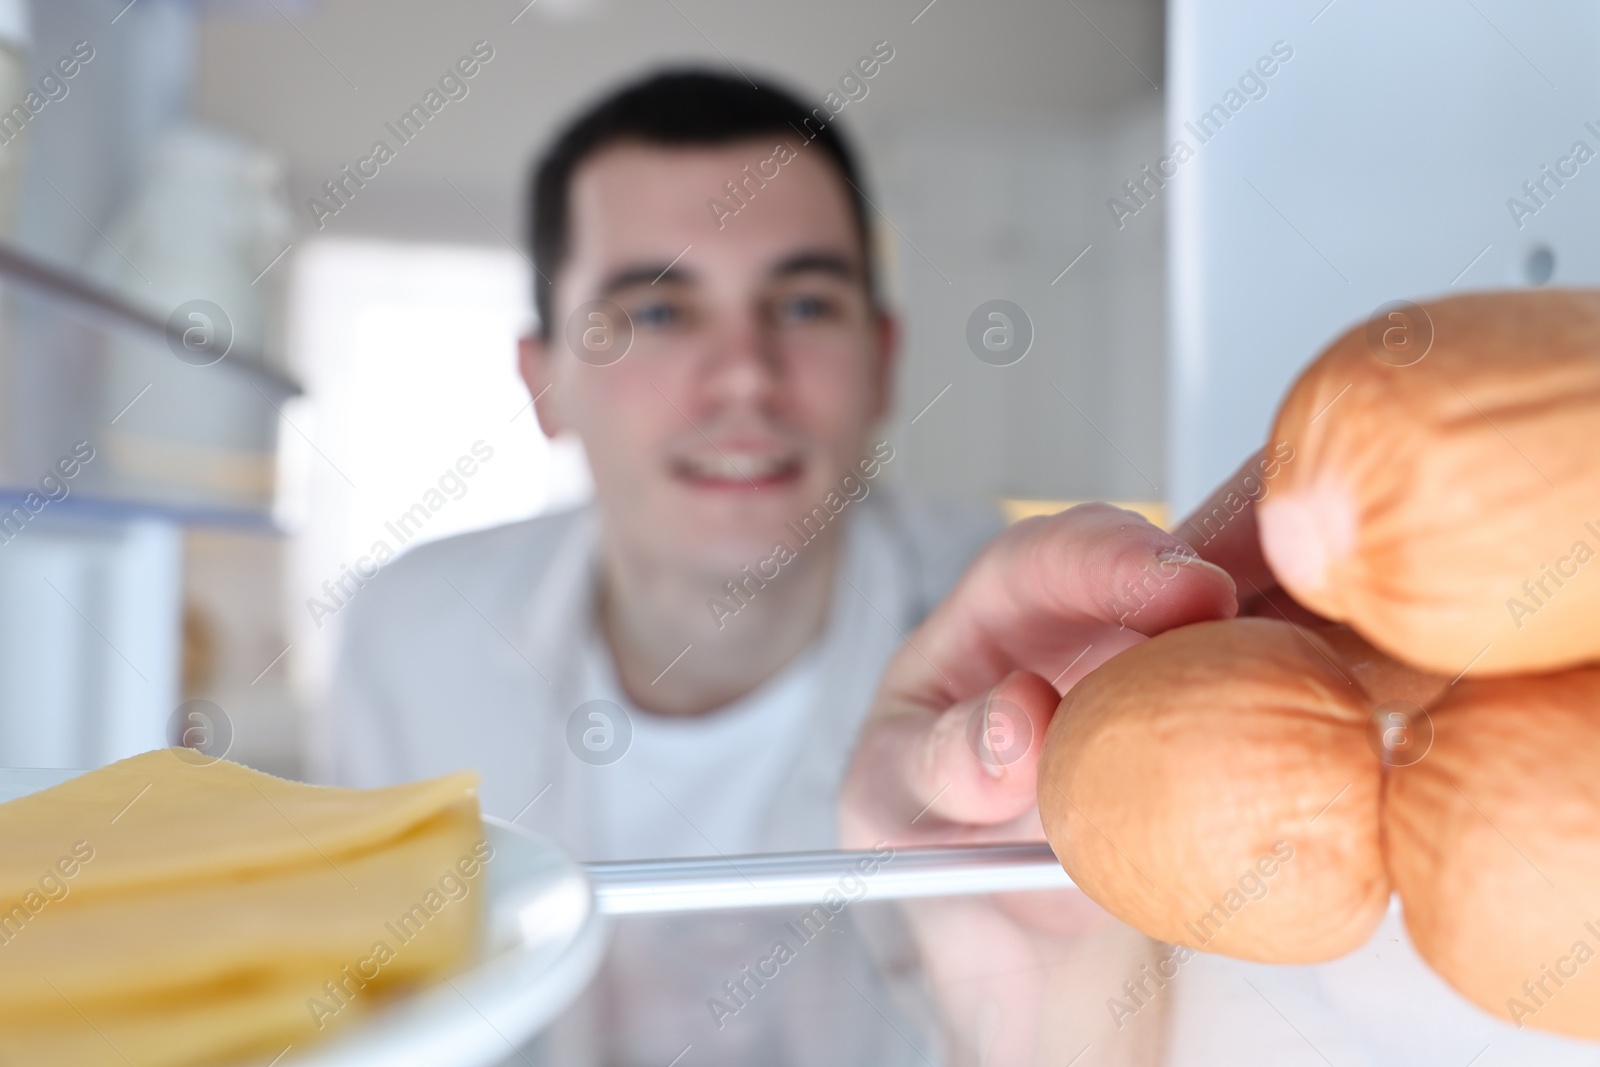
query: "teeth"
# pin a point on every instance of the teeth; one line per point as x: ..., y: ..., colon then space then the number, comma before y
x: 735, y: 465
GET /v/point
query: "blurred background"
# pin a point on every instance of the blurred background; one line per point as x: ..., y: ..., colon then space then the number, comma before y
x: 352, y: 339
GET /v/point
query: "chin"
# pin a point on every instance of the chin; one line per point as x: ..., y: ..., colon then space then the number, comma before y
x: 724, y: 549
x: 721, y: 544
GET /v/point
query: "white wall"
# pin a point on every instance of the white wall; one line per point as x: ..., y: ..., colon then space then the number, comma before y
x: 408, y: 354
x: 1377, y: 168
x: 1000, y: 213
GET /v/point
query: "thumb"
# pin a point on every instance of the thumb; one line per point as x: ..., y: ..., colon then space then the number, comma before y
x: 980, y: 757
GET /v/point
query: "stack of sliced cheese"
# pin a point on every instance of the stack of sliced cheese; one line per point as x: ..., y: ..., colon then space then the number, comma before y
x: 170, y: 910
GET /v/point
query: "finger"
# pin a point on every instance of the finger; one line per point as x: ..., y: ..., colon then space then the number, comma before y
x: 1105, y: 562
x: 1224, y: 530
x: 1177, y: 589
x: 1048, y: 588
x: 919, y: 778
x: 977, y: 762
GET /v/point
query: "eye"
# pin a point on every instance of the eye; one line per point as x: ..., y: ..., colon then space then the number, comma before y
x: 804, y: 309
x: 656, y: 315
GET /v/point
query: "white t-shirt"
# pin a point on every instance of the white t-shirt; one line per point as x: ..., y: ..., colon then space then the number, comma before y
x: 695, y: 785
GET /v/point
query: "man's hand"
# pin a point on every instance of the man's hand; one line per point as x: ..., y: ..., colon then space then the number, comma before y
x: 1047, y: 602
x: 950, y: 755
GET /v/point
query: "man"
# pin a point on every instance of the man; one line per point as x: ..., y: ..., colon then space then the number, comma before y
x: 680, y: 668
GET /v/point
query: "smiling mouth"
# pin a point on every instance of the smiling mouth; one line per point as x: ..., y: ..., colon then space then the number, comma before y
x: 733, y: 469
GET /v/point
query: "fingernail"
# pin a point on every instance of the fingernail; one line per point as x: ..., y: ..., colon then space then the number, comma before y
x: 1208, y: 565
x: 1184, y: 556
x: 987, y: 757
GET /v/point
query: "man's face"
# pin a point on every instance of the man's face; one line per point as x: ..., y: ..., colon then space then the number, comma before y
x: 757, y: 366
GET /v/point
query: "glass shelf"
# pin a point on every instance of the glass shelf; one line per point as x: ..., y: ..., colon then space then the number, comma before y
x: 178, y: 413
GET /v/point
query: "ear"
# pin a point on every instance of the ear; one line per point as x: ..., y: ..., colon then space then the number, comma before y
x: 534, y: 365
x: 888, y: 355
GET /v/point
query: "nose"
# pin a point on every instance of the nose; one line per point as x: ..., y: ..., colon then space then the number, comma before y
x: 743, y: 365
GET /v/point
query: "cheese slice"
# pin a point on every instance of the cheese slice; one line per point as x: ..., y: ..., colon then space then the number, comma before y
x: 166, y: 910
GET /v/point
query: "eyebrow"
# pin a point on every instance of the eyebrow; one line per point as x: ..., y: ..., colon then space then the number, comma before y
x: 833, y: 263
x: 645, y: 274
x: 818, y: 262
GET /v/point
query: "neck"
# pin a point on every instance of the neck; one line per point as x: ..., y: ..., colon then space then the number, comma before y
x: 649, y: 614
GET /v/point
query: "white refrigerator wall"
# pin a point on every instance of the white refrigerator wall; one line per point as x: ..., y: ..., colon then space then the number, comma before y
x: 89, y: 640
x: 1081, y: 415
x: 1379, y: 165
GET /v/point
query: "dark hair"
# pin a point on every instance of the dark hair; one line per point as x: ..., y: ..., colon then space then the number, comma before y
x: 673, y: 108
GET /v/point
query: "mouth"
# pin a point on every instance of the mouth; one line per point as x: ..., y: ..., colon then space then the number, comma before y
x: 735, y: 469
